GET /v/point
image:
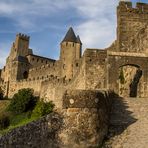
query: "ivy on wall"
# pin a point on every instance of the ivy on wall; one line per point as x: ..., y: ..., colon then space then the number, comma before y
x: 121, y: 76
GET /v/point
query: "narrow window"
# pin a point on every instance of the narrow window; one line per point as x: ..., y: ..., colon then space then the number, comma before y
x: 25, y: 75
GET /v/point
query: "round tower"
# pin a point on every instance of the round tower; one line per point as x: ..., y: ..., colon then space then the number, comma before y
x: 71, y: 48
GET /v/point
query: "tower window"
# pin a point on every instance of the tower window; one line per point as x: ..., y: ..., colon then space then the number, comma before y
x: 25, y: 75
x: 73, y: 44
x: 77, y: 64
x: 66, y: 44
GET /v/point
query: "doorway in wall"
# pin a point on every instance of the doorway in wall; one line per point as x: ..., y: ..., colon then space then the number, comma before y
x: 129, y: 78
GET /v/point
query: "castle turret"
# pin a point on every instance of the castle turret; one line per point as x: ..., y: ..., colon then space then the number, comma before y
x: 20, y: 47
x: 17, y: 63
x: 70, y: 53
x: 130, y: 20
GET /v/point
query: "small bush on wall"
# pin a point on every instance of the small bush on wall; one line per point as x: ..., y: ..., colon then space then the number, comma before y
x: 42, y: 108
x: 121, y: 76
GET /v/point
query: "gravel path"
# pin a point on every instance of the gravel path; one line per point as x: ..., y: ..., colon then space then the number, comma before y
x: 128, y: 124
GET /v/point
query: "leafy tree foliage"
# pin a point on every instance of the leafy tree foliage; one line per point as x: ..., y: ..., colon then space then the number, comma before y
x: 121, y: 76
x: 22, y: 101
x: 42, y: 109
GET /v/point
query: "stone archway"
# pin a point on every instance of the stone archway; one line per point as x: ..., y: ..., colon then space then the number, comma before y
x: 129, y: 77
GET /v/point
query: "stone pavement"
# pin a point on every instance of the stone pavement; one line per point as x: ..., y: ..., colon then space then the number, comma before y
x: 128, y: 124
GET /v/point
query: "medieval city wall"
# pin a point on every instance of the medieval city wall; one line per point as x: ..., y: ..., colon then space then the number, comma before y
x: 95, y: 64
x: 129, y: 21
x: 37, y: 61
x: 82, y: 122
x: 117, y: 61
x: 45, y: 71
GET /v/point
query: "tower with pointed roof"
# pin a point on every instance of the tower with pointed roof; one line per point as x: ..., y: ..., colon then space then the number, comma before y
x: 70, y: 55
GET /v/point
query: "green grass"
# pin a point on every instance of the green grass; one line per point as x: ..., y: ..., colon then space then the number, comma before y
x: 17, y: 121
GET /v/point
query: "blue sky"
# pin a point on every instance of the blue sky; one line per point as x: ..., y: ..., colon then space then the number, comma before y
x: 47, y: 21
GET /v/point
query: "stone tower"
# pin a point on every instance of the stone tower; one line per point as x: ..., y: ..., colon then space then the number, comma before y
x: 70, y: 55
x: 20, y: 47
x: 17, y: 64
x: 132, y: 23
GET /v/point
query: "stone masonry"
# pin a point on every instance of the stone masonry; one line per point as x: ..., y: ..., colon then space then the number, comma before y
x: 95, y: 69
x: 72, y: 82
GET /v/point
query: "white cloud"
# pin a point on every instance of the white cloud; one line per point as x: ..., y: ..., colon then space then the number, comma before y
x: 99, y: 30
x: 96, y: 31
x: 3, y: 54
x: 96, y: 34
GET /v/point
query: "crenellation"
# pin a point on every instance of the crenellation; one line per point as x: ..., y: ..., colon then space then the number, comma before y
x: 23, y: 36
x: 95, y: 69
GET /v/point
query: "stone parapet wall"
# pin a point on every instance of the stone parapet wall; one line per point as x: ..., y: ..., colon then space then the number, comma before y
x: 45, y: 70
x: 95, y: 68
x: 38, y: 134
x: 81, y: 123
x: 86, y: 117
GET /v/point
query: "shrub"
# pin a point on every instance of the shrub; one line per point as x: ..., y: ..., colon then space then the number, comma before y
x: 4, y: 120
x: 22, y: 101
x: 42, y: 109
x: 121, y: 76
x: 16, y: 119
x: 1, y: 94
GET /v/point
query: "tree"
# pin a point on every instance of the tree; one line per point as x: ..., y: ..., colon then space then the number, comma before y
x: 42, y: 108
x: 22, y: 101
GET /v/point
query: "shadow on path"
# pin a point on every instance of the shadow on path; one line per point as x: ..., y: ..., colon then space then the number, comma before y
x: 121, y: 118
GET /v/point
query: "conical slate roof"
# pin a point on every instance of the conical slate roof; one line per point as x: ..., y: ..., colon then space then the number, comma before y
x: 78, y: 40
x: 70, y: 36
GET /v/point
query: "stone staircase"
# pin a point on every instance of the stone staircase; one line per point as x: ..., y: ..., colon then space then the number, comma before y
x: 128, y: 124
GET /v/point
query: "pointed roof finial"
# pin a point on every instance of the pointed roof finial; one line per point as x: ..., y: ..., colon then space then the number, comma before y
x: 70, y: 36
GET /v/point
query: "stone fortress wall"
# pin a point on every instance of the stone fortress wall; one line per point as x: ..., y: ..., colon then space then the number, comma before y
x: 131, y: 21
x: 80, y: 124
x: 73, y: 81
x: 93, y: 70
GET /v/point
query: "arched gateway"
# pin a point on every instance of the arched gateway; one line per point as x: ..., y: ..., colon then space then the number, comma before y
x: 127, y: 75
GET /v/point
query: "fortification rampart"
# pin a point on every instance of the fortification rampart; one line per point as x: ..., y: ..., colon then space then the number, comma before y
x: 81, y: 110
x: 129, y: 21
x: 83, y: 122
x: 23, y: 36
x: 45, y: 71
x: 36, y: 61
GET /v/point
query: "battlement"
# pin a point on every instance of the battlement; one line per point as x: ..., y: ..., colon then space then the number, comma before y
x: 128, y: 7
x: 23, y: 36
